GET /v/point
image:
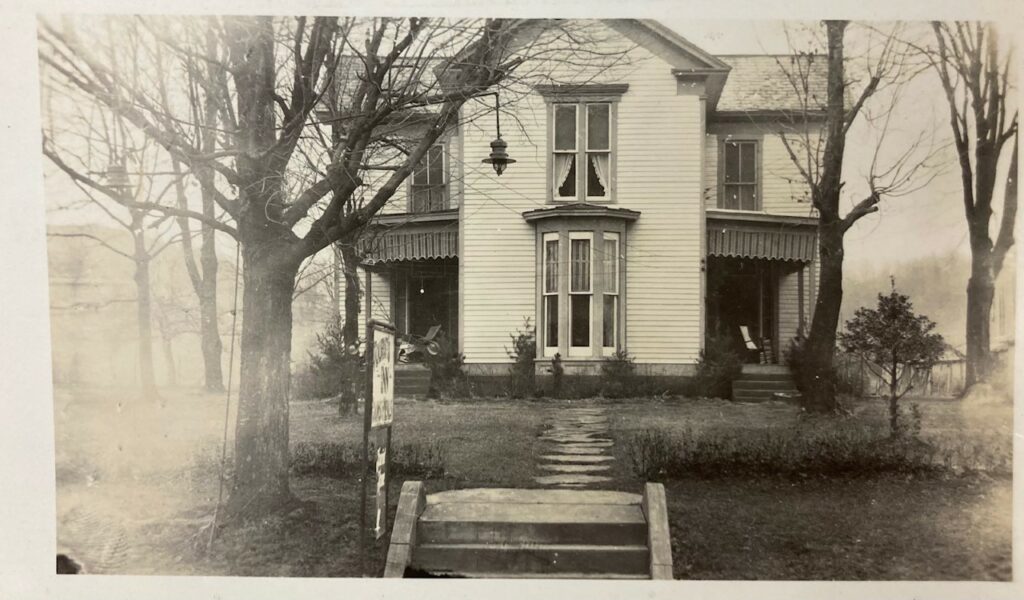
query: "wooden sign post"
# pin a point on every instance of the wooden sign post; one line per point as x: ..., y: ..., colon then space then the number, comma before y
x: 378, y: 414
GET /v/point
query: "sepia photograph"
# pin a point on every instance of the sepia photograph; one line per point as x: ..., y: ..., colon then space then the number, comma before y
x: 337, y: 294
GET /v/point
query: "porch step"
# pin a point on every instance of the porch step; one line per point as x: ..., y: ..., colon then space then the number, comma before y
x: 532, y: 558
x: 547, y: 523
x: 762, y: 386
x: 412, y: 381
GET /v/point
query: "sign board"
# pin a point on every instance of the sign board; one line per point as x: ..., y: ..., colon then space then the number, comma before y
x: 383, y: 376
x: 379, y: 523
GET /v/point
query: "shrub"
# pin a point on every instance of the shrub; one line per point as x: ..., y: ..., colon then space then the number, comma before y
x: 329, y: 366
x: 557, y: 374
x: 618, y: 375
x: 447, y: 379
x: 717, y: 368
x: 849, y: 451
x: 338, y: 459
x: 522, y: 375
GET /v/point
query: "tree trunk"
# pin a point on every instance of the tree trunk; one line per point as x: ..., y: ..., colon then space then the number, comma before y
x: 209, y: 324
x: 261, y: 434
x: 817, y: 380
x: 350, y: 328
x: 980, y: 291
x: 144, y: 317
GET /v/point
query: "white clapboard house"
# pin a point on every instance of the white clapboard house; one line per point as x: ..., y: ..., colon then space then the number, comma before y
x: 652, y: 204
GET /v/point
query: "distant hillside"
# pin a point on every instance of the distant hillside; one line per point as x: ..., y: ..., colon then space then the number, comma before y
x: 937, y: 285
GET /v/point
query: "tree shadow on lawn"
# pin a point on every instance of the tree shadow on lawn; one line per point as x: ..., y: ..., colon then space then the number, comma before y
x: 880, y: 528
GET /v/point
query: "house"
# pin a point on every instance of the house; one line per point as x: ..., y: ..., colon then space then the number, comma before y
x: 652, y: 206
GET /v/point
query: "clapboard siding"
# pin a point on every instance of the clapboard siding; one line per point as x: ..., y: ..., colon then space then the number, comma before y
x: 789, y: 305
x: 783, y: 189
x: 658, y: 173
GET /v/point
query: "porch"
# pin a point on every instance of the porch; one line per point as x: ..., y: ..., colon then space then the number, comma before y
x: 759, y: 272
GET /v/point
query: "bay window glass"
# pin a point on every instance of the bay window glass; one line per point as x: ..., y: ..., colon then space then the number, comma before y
x: 610, y: 296
x: 580, y: 295
x: 550, y: 289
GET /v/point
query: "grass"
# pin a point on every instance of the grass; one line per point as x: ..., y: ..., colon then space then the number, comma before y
x: 137, y: 484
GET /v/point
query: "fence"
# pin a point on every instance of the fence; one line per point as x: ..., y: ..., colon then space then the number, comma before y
x: 945, y: 379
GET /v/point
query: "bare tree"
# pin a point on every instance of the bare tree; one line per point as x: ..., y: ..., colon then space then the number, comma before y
x: 975, y: 75
x: 273, y: 74
x: 818, y: 154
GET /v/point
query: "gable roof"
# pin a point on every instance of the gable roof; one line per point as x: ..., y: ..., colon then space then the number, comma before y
x: 759, y: 83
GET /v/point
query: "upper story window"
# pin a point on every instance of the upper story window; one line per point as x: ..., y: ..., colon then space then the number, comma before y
x: 582, y: 155
x: 740, y: 175
x: 429, y: 187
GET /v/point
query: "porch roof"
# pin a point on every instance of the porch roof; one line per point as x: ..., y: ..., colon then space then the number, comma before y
x: 759, y: 235
x: 423, y: 236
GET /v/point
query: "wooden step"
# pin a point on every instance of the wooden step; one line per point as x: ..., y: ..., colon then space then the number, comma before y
x: 621, y: 524
x: 779, y: 385
x: 531, y: 558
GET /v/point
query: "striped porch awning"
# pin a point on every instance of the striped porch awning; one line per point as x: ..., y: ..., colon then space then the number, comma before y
x: 766, y: 238
x: 412, y: 244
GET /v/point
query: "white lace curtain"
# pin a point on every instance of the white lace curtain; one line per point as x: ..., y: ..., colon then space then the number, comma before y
x: 563, y: 163
x: 601, y: 164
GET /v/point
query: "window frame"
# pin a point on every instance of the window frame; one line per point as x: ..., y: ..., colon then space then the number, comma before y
x: 757, y: 184
x: 588, y: 350
x: 581, y: 101
x: 609, y: 290
x: 554, y: 236
x: 445, y: 184
x: 595, y: 229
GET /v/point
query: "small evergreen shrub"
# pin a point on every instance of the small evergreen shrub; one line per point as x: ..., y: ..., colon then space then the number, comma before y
x: 557, y: 375
x: 719, y: 365
x: 522, y: 381
x: 447, y: 378
x: 618, y: 375
x: 329, y: 364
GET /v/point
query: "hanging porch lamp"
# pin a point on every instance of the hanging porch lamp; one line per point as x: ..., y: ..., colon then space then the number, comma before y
x: 498, y: 157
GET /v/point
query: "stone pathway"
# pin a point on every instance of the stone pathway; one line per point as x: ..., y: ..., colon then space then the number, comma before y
x: 577, y: 450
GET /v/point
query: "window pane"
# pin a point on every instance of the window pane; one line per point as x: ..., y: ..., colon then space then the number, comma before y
x: 747, y: 162
x: 608, y: 335
x: 732, y: 162
x: 551, y: 266
x: 597, y: 174
x: 747, y: 197
x: 731, y: 198
x: 610, y: 258
x: 597, y: 127
x: 565, y: 127
x: 580, y: 315
x: 565, y: 168
x: 551, y: 321
x: 580, y: 266
x: 436, y: 165
x: 419, y: 175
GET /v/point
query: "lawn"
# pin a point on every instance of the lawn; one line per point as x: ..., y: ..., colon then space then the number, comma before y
x: 138, y: 483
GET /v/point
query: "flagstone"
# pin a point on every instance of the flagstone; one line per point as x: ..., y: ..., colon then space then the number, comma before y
x: 563, y: 468
x: 576, y: 458
x: 580, y: 479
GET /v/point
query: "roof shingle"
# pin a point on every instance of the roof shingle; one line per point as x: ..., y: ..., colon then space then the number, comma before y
x: 766, y: 83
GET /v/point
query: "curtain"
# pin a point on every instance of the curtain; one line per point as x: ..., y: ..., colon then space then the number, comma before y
x: 601, y: 164
x: 563, y: 162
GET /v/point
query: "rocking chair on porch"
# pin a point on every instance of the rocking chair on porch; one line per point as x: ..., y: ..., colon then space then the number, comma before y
x: 764, y: 351
x: 415, y: 347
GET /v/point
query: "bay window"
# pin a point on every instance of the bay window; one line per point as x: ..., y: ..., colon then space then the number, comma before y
x: 580, y: 287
